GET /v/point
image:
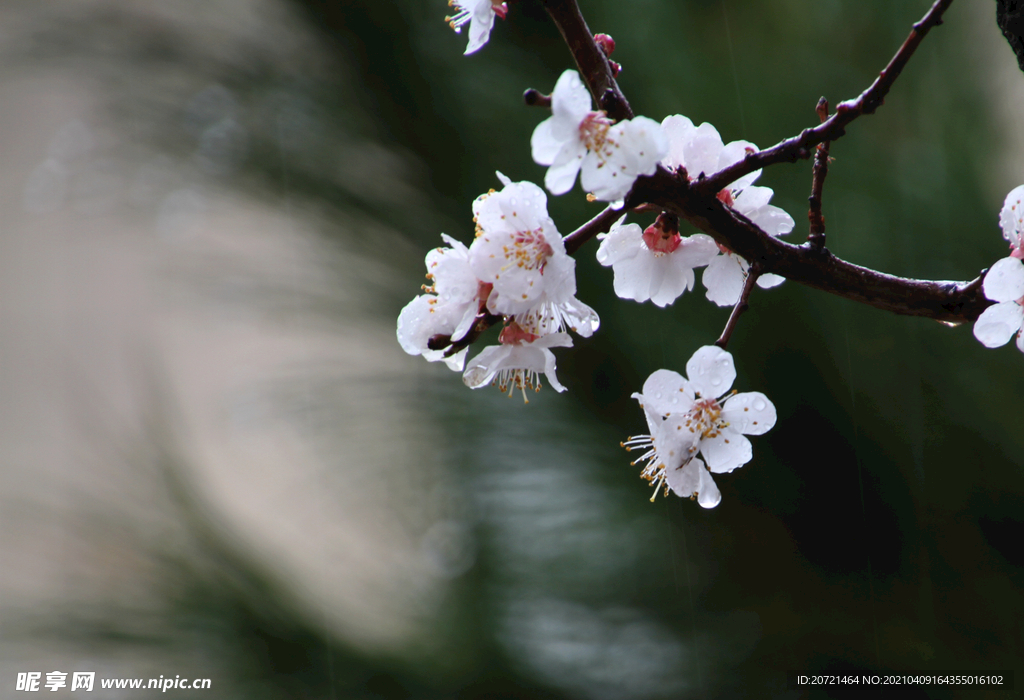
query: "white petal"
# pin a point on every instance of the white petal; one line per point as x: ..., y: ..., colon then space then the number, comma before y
x: 685, y: 480
x: 561, y: 176
x: 549, y: 371
x: 752, y: 198
x: 708, y: 495
x: 553, y: 340
x: 580, y: 318
x: 454, y: 280
x: 772, y: 220
x: 696, y: 250
x: 724, y: 278
x: 1020, y: 341
x: 543, y: 144
x: 619, y: 243
x: 768, y: 280
x: 711, y: 371
x: 633, y: 276
x: 646, y: 143
x: 480, y: 27
x: 602, y: 171
x: 678, y: 130
x: 734, y: 152
x: 998, y: 323
x: 466, y: 322
x: 1011, y: 218
x: 422, y: 318
x: 676, y: 277
x: 1005, y: 281
x: 702, y: 151
x: 666, y: 392
x: 750, y: 413
x: 726, y: 452
x: 456, y: 361
x: 570, y: 100
x: 484, y: 366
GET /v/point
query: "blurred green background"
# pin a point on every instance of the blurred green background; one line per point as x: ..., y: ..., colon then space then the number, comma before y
x: 218, y: 463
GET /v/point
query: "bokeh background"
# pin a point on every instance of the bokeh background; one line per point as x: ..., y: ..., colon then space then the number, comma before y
x: 215, y: 460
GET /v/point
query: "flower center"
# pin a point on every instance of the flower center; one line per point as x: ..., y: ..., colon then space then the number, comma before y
x: 594, y: 130
x: 705, y: 419
x: 514, y: 334
x: 529, y: 250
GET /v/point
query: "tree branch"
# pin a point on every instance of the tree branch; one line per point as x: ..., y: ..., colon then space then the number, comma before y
x: 599, y: 224
x: 816, y: 236
x: 798, y: 147
x: 953, y: 302
x: 593, y: 64
x: 741, y: 306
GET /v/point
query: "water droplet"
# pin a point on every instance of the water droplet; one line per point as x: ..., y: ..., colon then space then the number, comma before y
x: 715, y: 381
x: 759, y: 405
x: 657, y: 396
x: 675, y: 400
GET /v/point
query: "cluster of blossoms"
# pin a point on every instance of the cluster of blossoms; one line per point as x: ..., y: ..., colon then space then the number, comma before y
x: 517, y: 271
x: 1004, y: 283
x: 516, y: 268
x: 657, y: 263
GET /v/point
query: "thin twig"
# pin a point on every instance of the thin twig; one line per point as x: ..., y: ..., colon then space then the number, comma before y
x: 599, y: 224
x: 484, y: 320
x: 594, y: 65
x: 741, y: 305
x: 816, y: 237
x: 798, y: 147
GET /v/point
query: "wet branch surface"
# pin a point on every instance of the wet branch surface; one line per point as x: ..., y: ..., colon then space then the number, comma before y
x: 697, y: 203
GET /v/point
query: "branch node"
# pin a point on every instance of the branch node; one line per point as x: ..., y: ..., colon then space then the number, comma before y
x: 535, y: 98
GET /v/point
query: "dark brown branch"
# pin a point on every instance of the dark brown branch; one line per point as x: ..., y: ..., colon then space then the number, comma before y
x: 741, y: 306
x: 1010, y: 18
x: 955, y: 302
x: 594, y: 65
x: 816, y: 237
x: 798, y: 147
x: 599, y: 224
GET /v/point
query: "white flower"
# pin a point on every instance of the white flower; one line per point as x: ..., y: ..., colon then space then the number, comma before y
x: 575, y: 139
x: 699, y: 414
x: 1003, y: 284
x: 1011, y: 220
x: 519, y: 251
x: 480, y: 16
x: 656, y: 263
x: 517, y: 362
x: 700, y: 150
x: 448, y: 310
x: 424, y: 318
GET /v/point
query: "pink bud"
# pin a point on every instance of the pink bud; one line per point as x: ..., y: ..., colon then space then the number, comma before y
x: 606, y: 43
